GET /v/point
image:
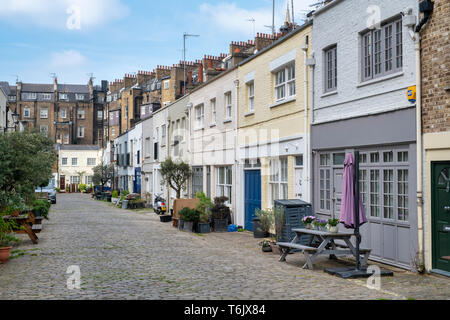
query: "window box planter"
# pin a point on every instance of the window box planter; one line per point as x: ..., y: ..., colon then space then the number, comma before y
x: 188, y: 226
x: 203, y: 228
x: 257, y: 233
x: 220, y: 225
x: 165, y: 219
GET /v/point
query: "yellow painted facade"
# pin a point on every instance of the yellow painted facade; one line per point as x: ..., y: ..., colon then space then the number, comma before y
x: 271, y: 120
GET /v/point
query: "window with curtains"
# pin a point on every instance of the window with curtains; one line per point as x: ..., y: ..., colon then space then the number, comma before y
x: 278, y: 179
x: 382, y: 50
x: 225, y: 183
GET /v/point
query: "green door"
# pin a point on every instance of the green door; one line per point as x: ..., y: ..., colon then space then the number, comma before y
x: 441, y: 215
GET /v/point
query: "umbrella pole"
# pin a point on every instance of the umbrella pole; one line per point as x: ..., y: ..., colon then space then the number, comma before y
x: 357, y: 234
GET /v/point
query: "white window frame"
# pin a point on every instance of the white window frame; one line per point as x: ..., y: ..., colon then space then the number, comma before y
x: 74, y: 162
x: 27, y: 112
x: 166, y: 85
x: 225, y: 187
x: 213, y: 103
x: 46, y: 96
x: 228, y: 105
x: 81, y: 114
x: 199, y: 117
x: 63, y: 113
x: 278, y: 179
x: 44, y: 113
x: 79, y: 97
x: 251, y: 96
x: 63, y: 96
x: 64, y: 161
x: 90, y: 162
x: 80, y: 132
x: 285, y: 82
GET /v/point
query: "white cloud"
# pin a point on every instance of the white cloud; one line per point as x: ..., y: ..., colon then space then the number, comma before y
x: 67, y: 59
x: 229, y: 17
x: 55, y: 14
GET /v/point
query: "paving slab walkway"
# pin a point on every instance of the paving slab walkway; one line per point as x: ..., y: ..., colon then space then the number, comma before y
x: 132, y: 255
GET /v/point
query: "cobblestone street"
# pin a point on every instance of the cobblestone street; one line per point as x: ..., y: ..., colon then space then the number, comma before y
x: 131, y: 255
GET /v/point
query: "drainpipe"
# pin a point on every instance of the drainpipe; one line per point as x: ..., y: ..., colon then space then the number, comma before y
x: 419, y: 154
x: 236, y: 162
x: 310, y: 169
x: 306, y: 123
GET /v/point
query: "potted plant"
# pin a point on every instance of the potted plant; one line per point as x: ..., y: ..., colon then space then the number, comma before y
x: 41, y: 208
x: 263, y: 223
x: 333, y: 225
x: 115, y: 196
x: 323, y: 225
x: 6, y: 238
x: 307, y: 221
x: 204, y: 210
x: 189, y: 217
x: 220, y: 213
x: 280, y: 223
x: 265, y: 246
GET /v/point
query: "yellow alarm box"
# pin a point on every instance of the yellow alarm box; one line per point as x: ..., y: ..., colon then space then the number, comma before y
x: 411, y: 94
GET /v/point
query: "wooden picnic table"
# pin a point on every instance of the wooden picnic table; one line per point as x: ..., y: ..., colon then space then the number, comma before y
x: 27, y: 221
x: 322, y: 243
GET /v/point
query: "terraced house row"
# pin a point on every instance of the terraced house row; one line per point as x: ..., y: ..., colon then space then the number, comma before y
x: 274, y: 117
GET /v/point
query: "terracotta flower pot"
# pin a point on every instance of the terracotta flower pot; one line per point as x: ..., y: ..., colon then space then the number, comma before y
x: 4, y: 254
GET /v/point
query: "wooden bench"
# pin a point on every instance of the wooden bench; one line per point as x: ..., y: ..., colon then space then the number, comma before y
x: 307, y: 251
x: 37, y: 228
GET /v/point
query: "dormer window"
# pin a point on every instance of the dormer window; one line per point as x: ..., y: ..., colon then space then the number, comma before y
x: 79, y: 97
x: 63, y: 96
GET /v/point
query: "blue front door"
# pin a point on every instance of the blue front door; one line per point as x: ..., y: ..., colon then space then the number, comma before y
x: 137, y: 180
x: 252, y: 196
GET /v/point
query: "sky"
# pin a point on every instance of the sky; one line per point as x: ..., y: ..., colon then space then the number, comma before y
x: 75, y: 39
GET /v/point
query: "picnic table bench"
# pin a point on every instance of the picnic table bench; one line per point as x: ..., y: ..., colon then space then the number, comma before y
x: 27, y: 224
x: 322, y: 243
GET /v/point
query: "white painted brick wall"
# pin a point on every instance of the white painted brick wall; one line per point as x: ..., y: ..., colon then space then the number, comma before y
x: 341, y: 25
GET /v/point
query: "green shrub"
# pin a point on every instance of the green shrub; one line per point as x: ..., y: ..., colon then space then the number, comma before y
x: 204, y: 207
x: 189, y: 215
x: 82, y: 187
x: 43, y: 206
x: 115, y: 194
x: 266, y: 219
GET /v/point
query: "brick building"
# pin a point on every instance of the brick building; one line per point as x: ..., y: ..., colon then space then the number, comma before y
x: 68, y: 113
x: 435, y: 59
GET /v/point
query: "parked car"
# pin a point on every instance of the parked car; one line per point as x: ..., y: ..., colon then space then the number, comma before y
x: 50, y: 190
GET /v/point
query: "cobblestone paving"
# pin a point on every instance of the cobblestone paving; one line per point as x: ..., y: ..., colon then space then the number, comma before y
x: 131, y: 255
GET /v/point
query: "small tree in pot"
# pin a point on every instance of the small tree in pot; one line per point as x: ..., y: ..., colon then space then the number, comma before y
x: 204, y: 209
x: 176, y: 174
x: 221, y: 214
x: 263, y: 223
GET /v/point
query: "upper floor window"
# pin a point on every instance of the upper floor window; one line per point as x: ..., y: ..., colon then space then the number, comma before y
x: 80, y: 132
x: 81, y: 114
x: 63, y: 113
x: 251, y: 96
x: 44, y: 113
x: 91, y: 161
x: 330, y: 67
x: 166, y: 85
x: 12, y: 98
x: 382, y: 50
x: 29, y: 96
x: 99, y: 114
x: 79, y: 97
x: 213, y: 111
x: 74, y: 161
x: 46, y: 96
x: 199, y: 117
x: 285, y: 82
x: 64, y: 161
x: 63, y: 96
x: 163, y: 134
x: 228, y: 105
x: 26, y: 112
